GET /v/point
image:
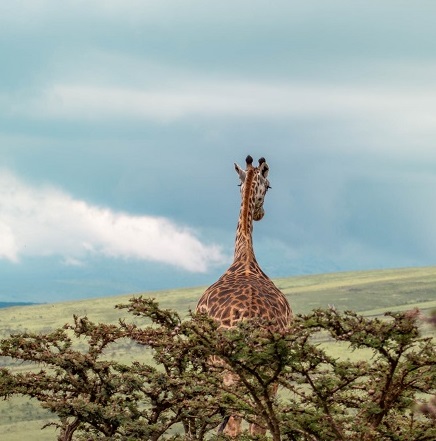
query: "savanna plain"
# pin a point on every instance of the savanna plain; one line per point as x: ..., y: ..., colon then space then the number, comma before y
x: 370, y: 293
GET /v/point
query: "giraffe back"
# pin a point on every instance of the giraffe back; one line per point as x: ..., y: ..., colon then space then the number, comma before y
x: 243, y: 293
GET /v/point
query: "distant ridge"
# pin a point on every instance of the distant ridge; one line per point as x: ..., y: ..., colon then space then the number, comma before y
x: 10, y: 304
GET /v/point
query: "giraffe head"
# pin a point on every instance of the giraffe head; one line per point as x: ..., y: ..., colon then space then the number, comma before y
x: 256, y: 178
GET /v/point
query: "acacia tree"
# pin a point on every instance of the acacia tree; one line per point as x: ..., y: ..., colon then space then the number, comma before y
x: 372, y: 399
x: 182, y: 395
x: 97, y: 398
x: 325, y: 398
x: 429, y: 407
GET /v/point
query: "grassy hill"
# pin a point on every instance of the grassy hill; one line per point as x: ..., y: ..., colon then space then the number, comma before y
x: 368, y: 292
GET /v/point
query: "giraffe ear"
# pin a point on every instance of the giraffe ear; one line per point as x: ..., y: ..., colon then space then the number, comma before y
x: 240, y: 172
x: 263, y: 167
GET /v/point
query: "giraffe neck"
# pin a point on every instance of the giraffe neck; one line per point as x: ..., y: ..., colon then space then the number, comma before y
x: 244, y: 242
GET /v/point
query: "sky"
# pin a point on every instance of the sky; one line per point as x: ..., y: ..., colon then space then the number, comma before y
x: 120, y: 122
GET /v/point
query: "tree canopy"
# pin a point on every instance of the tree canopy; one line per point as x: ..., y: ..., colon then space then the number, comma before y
x: 385, y: 395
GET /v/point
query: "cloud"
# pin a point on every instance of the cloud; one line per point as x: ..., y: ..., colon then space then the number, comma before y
x: 71, y: 261
x: 44, y: 221
x: 8, y: 246
x: 399, y: 110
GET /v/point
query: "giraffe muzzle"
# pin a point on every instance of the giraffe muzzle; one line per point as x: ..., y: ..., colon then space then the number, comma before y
x: 258, y: 214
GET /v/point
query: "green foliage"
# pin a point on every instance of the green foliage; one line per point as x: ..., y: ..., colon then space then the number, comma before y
x: 181, y: 393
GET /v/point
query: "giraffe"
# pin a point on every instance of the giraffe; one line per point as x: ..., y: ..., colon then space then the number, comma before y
x: 244, y: 291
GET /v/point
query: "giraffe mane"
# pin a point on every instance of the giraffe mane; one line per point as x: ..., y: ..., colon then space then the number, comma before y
x: 246, y: 198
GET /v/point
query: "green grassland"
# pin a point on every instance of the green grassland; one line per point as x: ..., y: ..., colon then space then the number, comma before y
x: 367, y: 292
